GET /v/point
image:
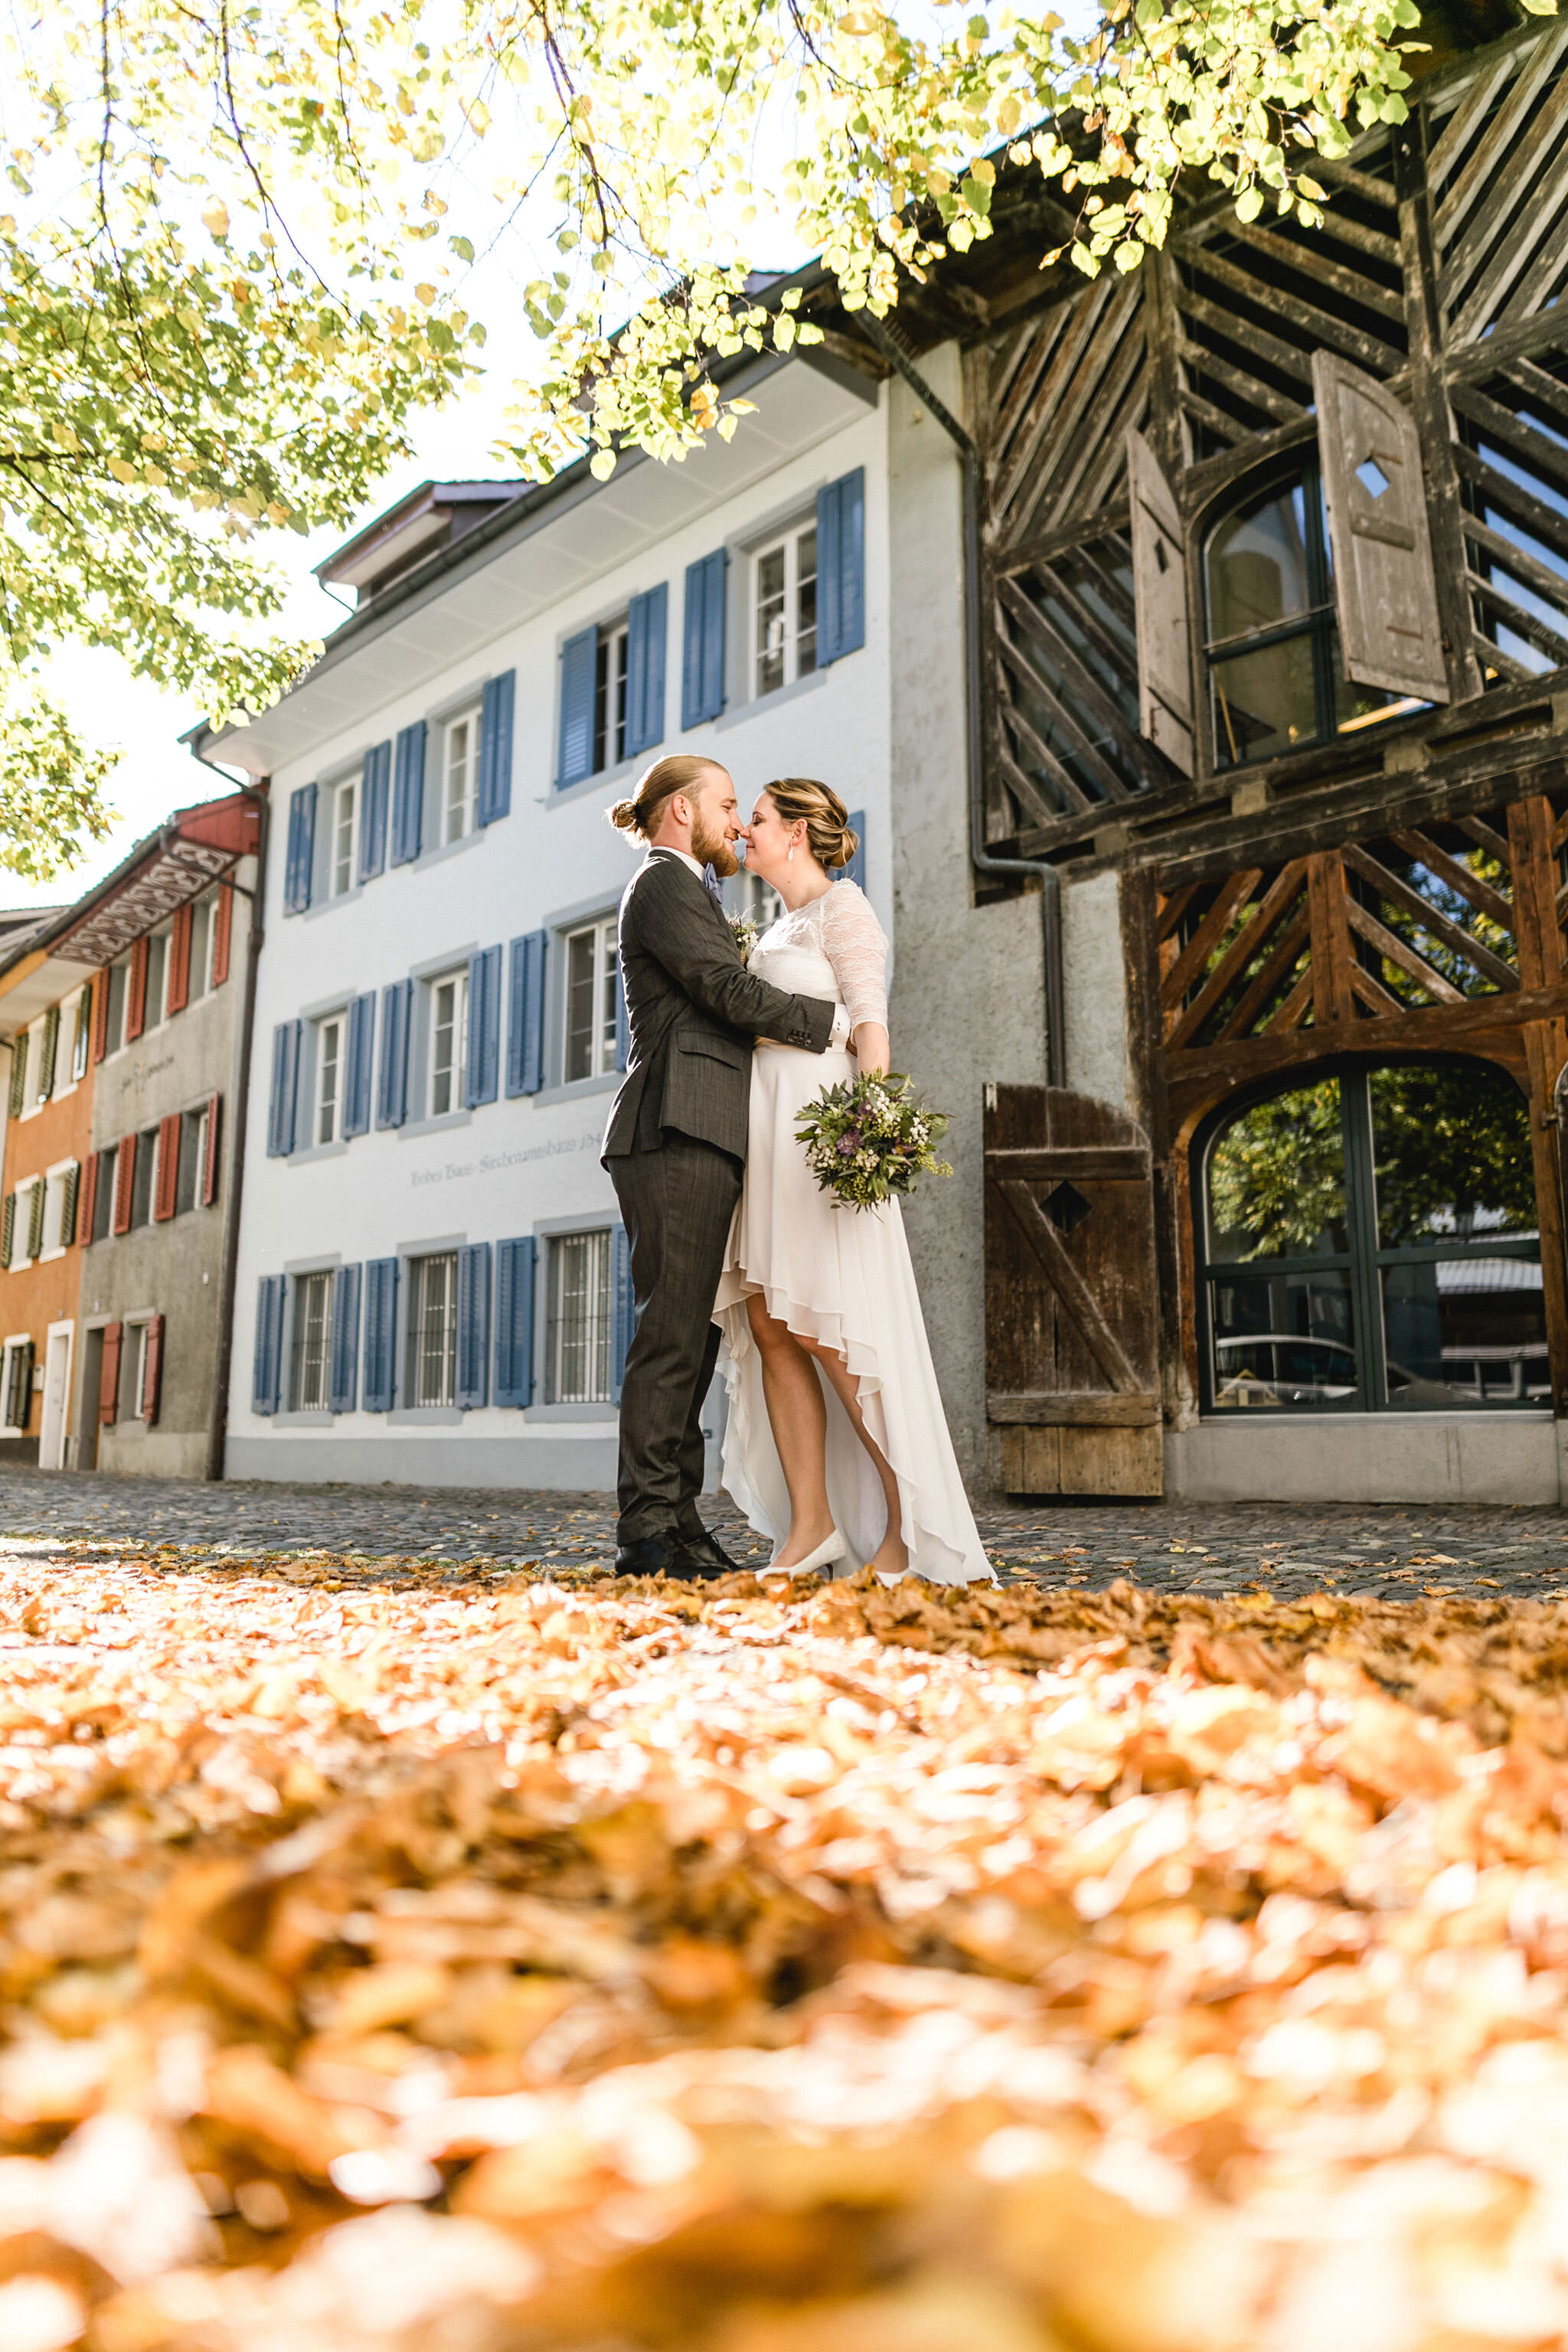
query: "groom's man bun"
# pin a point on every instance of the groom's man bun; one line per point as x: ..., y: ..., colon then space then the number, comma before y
x: 681, y: 771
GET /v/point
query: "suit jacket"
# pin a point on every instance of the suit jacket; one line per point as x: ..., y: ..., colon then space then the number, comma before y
x: 693, y: 1011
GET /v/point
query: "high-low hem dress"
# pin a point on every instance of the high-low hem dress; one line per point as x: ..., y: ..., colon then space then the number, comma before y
x: 839, y: 1275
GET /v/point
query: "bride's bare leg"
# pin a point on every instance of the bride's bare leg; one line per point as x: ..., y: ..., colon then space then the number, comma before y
x: 798, y: 1414
x: 892, y: 1554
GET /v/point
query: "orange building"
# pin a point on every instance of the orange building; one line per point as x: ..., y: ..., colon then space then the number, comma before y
x: 46, y: 1033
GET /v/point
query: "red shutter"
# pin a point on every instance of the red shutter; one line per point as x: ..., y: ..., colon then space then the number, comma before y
x: 87, y: 1199
x: 108, y: 1375
x: 222, y: 930
x: 136, y: 992
x: 124, y: 1176
x: 168, y: 1167
x: 208, y: 1192
x: 180, y: 962
x: 152, y: 1373
x: 101, y: 1017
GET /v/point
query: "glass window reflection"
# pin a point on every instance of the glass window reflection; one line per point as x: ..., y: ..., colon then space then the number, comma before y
x: 1277, y: 1179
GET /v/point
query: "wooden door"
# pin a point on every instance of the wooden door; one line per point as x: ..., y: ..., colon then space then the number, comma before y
x: 1071, y: 1304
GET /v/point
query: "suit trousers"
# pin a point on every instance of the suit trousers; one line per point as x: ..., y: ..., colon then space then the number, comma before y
x: 677, y: 1202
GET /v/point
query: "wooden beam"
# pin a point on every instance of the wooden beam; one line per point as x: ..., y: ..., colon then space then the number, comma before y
x: 1074, y: 1409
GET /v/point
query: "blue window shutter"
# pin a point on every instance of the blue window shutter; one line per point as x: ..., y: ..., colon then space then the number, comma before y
x: 648, y: 626
x: 285, y: 1085
x: 380, y: 1333
x: 841, y: 567
x: 360, y: 1071
x: 268, y: 1354
x: 579, y: 655
x: 481, y: 1078
x: 343, y: 1382
x: 702, y: 668
x: 375, y: 789
x: 495, y: 747
x: 525, y: 1016
x: 301, y: 850
x: 623, y: 1307
x: 408, y: 795
x: 392, y: 1098
x: 856, y: 869
x: 623, y: 1020
x: 473, y: 1326
x: 515, y: 1262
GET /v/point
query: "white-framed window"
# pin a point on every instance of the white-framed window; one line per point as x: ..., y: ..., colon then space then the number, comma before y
x: 16, y: 1383
x: 308, y: 1350
x: 330, y: 1036
x: 449, y: 1041
x: 588, y: 1047
x: 80, y: 1035
x: 610, y: 696
x: 433, y: 1329
x: 342, y: 837
x: 194, y: 1128
x: 138, y: 1340
x: 784, y: 611
x: 37, y: 1093
x: 459, y: 776
x: 114, y: 1020
x: 57, y: 1184
x: 157, y: 981
x: 577, y: 1342
x: 27, y: 1225
x: 144, y: 1178
x: 204, y: 930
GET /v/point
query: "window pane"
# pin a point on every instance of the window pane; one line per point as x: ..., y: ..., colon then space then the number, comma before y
x: 1466, y: 1331
x: 330, y: 1036
x: 1277, y: 1179
x: 116, y: 1029
x: 577, y: 1348
x: 460, y: 752
x: 157, y: 955
x: 432, y: 1331
x: 201, y: 947
x: 771, y: 620
x: 579, y: 1061
x: 308, y: 1371
x: 1258, y: 571
x: 343, y: 848
x: 1283, y: 1340
x: 805, y: 605
x: 1264, y: 702
x: 141, y: 1176
x: 608, y: 958
x: 1452, y: 1154
x: 443, y: 1045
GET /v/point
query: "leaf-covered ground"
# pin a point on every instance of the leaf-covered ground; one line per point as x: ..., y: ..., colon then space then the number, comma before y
x: 523, y: 1967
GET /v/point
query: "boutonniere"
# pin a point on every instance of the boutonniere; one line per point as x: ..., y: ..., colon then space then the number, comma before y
x: 745, y: 933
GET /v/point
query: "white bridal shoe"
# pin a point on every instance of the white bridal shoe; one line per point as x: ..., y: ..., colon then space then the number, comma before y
x: 833, y: 1549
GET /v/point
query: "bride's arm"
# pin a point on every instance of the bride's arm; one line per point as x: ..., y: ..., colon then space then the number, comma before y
x: 857, y: 946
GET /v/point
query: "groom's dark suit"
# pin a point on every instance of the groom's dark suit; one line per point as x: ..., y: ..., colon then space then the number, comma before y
x: 675, y: 1148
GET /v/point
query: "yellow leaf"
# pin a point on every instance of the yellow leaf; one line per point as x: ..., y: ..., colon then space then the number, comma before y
x: 214, y: 217
x: 425, y: 294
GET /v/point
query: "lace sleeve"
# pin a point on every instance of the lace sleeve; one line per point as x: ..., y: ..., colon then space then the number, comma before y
x: 857, y: 946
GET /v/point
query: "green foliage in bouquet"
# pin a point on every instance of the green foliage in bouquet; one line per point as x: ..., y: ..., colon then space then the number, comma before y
x: 871, y: 1138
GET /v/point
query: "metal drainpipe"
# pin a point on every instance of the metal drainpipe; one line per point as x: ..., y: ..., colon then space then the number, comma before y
x: 229, y: 1275
x: 983, y: 860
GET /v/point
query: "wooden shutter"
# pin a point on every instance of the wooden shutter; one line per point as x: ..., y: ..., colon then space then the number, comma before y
x: 408, y: 796
x: 266, y: 1357
x: 152, y: 1371
x: 1386, y: 592
x: 88, y: 1199
x: 7, y: 1230
x: 108, y: 1376
x: 71, y: 1187
x: 481, y: 1076
x: 525, y: 1016
x: 342, y: 1376
x: 856, y: 869
x: 36, y: 1198
x: 841, y: 567
x: 19, y: 1098
x: 473, y: 1326
x: 299, y: 866
x: 374, y: 793
x: 380, y: 1334
x: 391, y: 1101
x: 1159, y: 598
x: 360, y: 1072
x: 515, y: 1262
x: 136, y: 989
x: 1071, y: 1304
x: 222, y: 932
x: 124, y: 1181
x: 49, y: 1047
x: 647, y: 626
x: 207, y: 1180
x: 579, y: 660
x: 495, y: 747
x: 702, y: 663
x: 165, y: 1190
x: 179, y: 987
x: 280, y: 1115
x: 101, y: 1017
x: 623, y: 1308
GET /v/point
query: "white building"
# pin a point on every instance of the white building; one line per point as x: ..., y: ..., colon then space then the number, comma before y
x: 430, y: 1284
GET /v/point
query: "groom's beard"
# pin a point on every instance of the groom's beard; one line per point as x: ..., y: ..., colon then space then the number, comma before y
x: 713, y: 847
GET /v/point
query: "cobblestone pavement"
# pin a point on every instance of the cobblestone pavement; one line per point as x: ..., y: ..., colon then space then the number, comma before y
x: 1388, y: 1551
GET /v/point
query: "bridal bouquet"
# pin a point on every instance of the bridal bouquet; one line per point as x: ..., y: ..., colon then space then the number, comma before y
x: 869, y: 1139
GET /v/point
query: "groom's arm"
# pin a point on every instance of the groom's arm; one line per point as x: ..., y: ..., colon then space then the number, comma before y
x: 696, y: 955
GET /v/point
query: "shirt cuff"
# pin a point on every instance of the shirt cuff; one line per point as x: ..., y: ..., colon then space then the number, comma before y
x: 839, y: 1034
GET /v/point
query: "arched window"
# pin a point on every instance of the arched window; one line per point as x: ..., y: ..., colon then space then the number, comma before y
x: 1276, y: 680
x: 1368, y: 1241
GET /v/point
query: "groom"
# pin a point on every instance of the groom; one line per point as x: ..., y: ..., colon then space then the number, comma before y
x: 676, y: 1144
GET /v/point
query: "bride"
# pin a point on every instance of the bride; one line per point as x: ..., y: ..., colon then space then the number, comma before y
x: 837, y: 1445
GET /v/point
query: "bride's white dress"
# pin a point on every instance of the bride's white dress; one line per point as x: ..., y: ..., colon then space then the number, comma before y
x: 839, y: 1275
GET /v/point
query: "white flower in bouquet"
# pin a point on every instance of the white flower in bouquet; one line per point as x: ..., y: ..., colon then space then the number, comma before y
x: 744, y: 931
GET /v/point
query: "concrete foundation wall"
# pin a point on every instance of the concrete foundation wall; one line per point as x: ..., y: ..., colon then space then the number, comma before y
x: 1369, y: 1458
x: 578, y: 1465
x: 968, y: 997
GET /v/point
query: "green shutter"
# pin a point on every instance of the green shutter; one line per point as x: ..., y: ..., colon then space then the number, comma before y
x: 7, y: 1228
x: 51, y: 1042
x: 19, y: 1074
x: 35, y: 1218
x: 68, y: 1206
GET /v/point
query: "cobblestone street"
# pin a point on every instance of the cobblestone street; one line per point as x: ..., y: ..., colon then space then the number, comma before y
x: 1357, y: 1548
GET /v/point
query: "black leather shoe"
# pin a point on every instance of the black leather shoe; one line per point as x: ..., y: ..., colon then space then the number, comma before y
x: 650, y: 1556
x: 700, y: 1544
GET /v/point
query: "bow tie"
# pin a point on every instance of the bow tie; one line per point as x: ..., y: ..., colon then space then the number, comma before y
x: 713, y: 881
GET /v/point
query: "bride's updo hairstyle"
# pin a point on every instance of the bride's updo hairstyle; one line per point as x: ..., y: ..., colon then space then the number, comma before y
x: 829, y: 836
x: 682, y: 771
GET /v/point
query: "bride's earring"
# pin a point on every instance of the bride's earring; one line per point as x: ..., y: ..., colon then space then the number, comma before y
x: 789, y: 860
